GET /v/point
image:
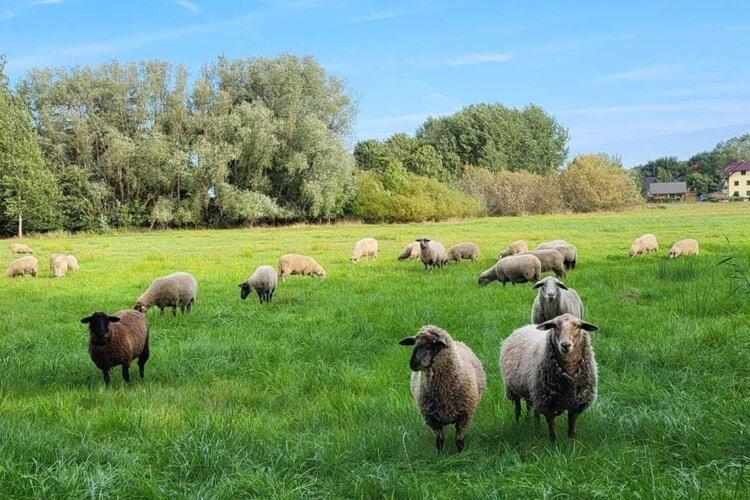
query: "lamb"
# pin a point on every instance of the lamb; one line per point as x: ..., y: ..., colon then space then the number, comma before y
x: 554, y: 298
x: 644, y: 244
x: 432, y: 253
x: 569, y: 253
x: 263, y: 281
x: 175, y: 290
x: 410, y: 252
x: 20, y: 248
x: 367, y: 247
x: 552, y: 367
x: 294, y: 263
x: 514, y: 248
x: 58, y: 264
x: 550, y: 244
x: 463, y: 251
x: 118, y: 340
x: 22, y: 266
x: 447, y: 382
x: 683, y: 248
x: 551, y: 260
x: 514, y: 269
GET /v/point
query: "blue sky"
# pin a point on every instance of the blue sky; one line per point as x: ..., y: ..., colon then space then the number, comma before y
x: 638, y: 79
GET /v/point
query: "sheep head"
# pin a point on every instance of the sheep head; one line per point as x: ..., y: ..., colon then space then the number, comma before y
x: 428, y: 343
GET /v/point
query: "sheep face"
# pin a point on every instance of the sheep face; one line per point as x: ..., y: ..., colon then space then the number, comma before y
x: 245, y: 290
x: 672, y: 253
x: 549, y: 288
x: 428, y: 343
x: 423, y: 243
x: 140, y: 307
x: 565, y: 333
x: 99, y: 326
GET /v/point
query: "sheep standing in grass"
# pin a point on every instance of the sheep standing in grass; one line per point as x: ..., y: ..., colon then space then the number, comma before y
x: 410, y: 252
x: 294, y: 263
x: 263, y: 281
x: 22, y: 266
x: 58, y: 264
x: 367, y: 247
x: 175, y: 290
x: 447, y: 382
x: 118, y: 340
x: 72, y: 262
x: 432, y: 253
x: 514, y: 248
x: 569, y: 253
x: 463, y: 251
x: 514, y: 269
x: 683, y: 248
x: 554, y: 298
x: 547, y: 245
x: 644, y: 244
x: 552, y: 367
x: 551, y: 260
x: 20, y: 248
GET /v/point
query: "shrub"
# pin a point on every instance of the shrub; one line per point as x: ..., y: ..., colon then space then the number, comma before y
x: 162, y: 213
x: 595, y: 182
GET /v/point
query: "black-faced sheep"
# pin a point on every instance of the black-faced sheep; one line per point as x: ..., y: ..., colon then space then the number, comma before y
x: 174, y: 290
x: 263, y: 281
x: 644, y: 244
x: 118, y: 340
x: 367, y: 247
x: 447, y: 382
x: 432, y: 253
x: 460, y: 251
x: 683, y: 248
x: 22, y: 266
x: 294, y: 263
x: 554, y: 298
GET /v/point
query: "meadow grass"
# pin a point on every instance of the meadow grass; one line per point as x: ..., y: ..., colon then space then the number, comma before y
x: 308, y: 396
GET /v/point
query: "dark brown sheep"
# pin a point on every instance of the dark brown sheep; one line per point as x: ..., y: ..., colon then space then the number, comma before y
x: 117, y: 340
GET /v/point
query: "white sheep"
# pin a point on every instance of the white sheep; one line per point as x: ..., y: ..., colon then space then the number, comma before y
x: 550, y: 244
x: 683, y: 248
x: 432, y: 253
x: 514, y: 248
x: 367, y: 247
x: 460, y: 251
x: 263, y: 281
x: 294, y: 263
x: 174, y: 290
x: 644, y: 244
x: 59, y: 265
x: 569, y: 253
x: 411, y: 251
x: 514, y: 269
x: 22, y: 266
x: 20, y: 248
x: 553, y: 299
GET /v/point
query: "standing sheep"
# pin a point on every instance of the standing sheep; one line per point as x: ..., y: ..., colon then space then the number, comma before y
x: 552, y: 367
x: 514, y: 248
x: 554, y: 298
x: 569, y: 253
x: 367, y: 247
x: 175, y: 290
x: 514, y: 269
x: 432, y: 253
x: 551, y: 260
x: 683, y: 248
x: 22, y: 266
x: 410, y: 252
x: 20, y: 248
x: 58, y: 264
x: 447, y: 382
x: 118, y: 340
x: 644, y: 244
x: 294, y: 263
x: 463, y: 251
x: 263, y: 281
x: 72, y: 263
x: 547, y: 245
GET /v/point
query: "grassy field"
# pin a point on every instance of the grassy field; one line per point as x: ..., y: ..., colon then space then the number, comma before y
x: 309, y: 396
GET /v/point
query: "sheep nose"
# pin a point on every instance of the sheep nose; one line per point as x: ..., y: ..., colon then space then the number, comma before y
x: 565, y: 346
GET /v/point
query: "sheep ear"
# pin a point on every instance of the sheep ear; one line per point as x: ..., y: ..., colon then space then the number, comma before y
x: 408, y: 341
x: 85, y: 320
x: 589, y: 327
x: 240, y: 285
x: 538, y: 284
x: 547, y: 325
x: 562, y: 285
x: 113, y: 319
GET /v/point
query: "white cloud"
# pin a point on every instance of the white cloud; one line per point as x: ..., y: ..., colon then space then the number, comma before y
x: 642, y: 73
x: 187, y: 5
x: 472, y: 59
x: 377, y: 16
x: 48, y: 2
x: 6, y: 15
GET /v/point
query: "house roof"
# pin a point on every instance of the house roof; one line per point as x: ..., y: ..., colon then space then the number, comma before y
x: 736, y: 167
x: 667, y: 188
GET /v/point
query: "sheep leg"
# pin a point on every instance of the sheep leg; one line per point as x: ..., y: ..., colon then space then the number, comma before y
x: 126, y: 373
x: 161, y: 310
x: 174, y: 311
x: 106, y: 377
x: 460, y: 427
x: 572, y: 416
x: 551, y: 427
x: 439, y: 439
x: 142, y: 359
x: 536, y: 419
x: 517, y: 403
x: 189, y: 306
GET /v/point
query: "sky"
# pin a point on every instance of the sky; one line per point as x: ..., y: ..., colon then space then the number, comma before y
x: 636, y: 79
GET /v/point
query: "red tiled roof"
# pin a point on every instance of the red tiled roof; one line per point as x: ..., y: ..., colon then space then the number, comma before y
x: 736, y: 167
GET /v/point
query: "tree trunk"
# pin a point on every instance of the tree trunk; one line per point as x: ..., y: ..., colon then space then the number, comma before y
x: 20, y: 225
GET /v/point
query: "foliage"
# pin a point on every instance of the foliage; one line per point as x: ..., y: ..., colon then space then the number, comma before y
x: 415, y: 155
x: 598, y: 182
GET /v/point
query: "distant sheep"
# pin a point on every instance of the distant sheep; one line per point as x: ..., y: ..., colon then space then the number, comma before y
x: 554, y: 298
x: 447, y: 382
x: 367, y: 247
x: 117, y: 340
x: 569, y: 253
x: 547, y: 245
x: 551, y: 260
x: 59, y: 265
x: 683, y: 248
x: 263, y: 281
x: 72, y: 263
x: 294, y: 263
x: 410, y: 252
x: 644, y: 244
x: 432, y: 253
x: 552, y: 367
x: 514, y: 269
x: 20, y: 248
x: 514, y: 248
x: 174, y: 290
x: 463, y: 251
x: 22, y: 266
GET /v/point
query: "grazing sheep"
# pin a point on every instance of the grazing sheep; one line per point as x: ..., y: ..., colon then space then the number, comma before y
x: 118, y: 340
x: 410, y: 252
x: 554, y: 298
x: 644, y: 244
x: 367, y: 247
x: 22, y: 266
x: 294, y: 263
x: 551, y: 260
x: 547, y: 245
x: 552, y: 367
x: 72, y: 263
x: 59, y: 265
x: 514, y: 269
x: 683, y: 248
x: 175, y: 290
x: 432, y: 253
x: 20, y: 248
x: 463, y: 251
x: 514, y: 248
x: 263, y: 281
x: 569, y: 253
x: 447, y: 382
